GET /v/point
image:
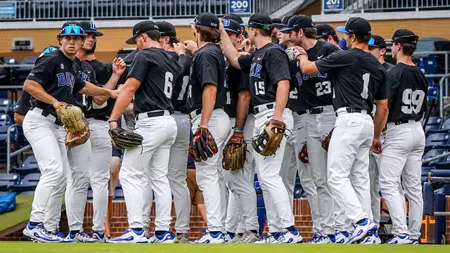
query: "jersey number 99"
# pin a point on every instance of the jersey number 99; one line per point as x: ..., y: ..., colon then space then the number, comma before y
x: 412, y: 101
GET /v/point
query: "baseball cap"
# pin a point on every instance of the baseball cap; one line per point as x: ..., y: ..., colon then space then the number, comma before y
x: 356, y: 25
x: 298, y: 22
x: 377, y: 41
x: 276, y: 22
x: 89, y: 27
x: 260, y: 21
x: 71, y: 28
x: 48, y: 50
x: 141, y: 28
x: 207, y: 19
x: 231, y: 26
x: 404, y: 36
x: 285, y: 20
x: 323, y: 30
x: 235, y: 18
x: 166, y: 29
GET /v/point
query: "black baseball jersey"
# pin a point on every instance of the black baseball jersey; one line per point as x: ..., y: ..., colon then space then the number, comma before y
x: 23, y: 104
x: 266, y: 67
x: 179, y: 94
x: 408, y: 93
x: 208, y: 67
x: 387, y: 66
x: 236, y: 81
x: 58, y: 76
x: 358, y: 78
x: 296, y: 96
x: 318, y: 87
x: 158, y: 71
x: 86, y: 72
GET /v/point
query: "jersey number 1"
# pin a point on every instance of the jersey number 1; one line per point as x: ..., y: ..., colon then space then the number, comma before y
x: 365, y: 91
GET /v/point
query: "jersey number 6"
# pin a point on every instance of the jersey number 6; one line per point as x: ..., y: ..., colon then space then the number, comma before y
x: 168, y: 84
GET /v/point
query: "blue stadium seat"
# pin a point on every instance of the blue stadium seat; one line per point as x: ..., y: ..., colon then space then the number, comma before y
x: 118, y: 194
x: 298, y: 192
x: 28, y: 183
x: 433, y: 153
x: 425, y: 171
x: 437, y: 140
x: 28, y: 166
x: 7, y: 180
x: 29, y: 60
x: 444, y: 128
x: 434, y: 123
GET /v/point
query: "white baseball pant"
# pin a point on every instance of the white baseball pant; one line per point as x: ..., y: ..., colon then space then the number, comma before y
x: 153, y: 158
x: 401, y: 167
x: 374, y: 176
x: 77, y: 184
x: 234, y: 222
x: 99, y: 170
x: 290, y: 165
x: 209, y: 172
x: 48, y: 142
x: 348, y: 163
x: 276, y: 198
x: 241, y: 183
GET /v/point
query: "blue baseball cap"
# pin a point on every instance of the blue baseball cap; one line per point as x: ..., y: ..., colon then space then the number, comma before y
x: 231, y: 25
x: 71, y: 28
x: 357, y: 26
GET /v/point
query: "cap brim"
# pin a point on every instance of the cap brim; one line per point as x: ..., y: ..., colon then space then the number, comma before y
x: 97, y: 33
x: 244, y: 25
x: 131, y: 41
x: 320, y: 36
x: 341, y: 29
x: 287, y: 29
x: 389, y: 40
x: 232, y: 31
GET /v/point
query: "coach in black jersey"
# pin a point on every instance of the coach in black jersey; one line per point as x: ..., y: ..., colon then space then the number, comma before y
x: 269, y: 74
x: 377, y: 47
x: 401, y: 165
x: 150, y: 80
x: 358, y: 80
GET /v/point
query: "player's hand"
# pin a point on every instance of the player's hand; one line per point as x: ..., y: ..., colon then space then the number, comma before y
x: 191, y: 46
x: 247, y: 46
x: 113, y: 124
x: 376, y: 146
x: 58, y: 103
x: 114, y: 93
x: 299, y: 51
x: 179, y: 48
x: 118, y: 66
x: 221, y: 27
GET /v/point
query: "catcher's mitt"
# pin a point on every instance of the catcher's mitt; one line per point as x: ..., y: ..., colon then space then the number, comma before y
x: 326, y: 140
x: 203, y: 145
x: 269, y: 140
x: 124, y: 139
x: 234, y: 153
x: 303, y: 155
x: 77, y: 129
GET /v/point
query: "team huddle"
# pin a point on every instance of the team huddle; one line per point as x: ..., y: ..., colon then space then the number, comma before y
x: 346, y: 121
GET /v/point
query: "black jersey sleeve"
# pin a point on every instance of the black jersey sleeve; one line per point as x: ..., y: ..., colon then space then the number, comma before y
x: 393, y: 84
x: 277, y: 65
x: 245, y: 62
x: 139, y: 67
x: 207, y: 69
x: 336, y: 60
x: 383, y: 91
x: 43, y: 70
x: 185, y: 62
x: 23, y: 104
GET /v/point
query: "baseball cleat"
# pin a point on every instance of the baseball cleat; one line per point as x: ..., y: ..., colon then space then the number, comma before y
x: 372, y: 239
x: 415, y: 241
x: 290, y: 237
x: 400, y: 239
x: 324, y: 240
x: 99, y: 237
x: 248, y: 237
x: 230, y: 237
x: 210, y: 238
x: 314, y: 239
x: 268, y: 239
x: 38, y: 233
x: 79, y: 237
x: 182, y: 238
x: 366, y: 227
x: 166, y: 238
x: 341, y: 237
x: 130, y: 236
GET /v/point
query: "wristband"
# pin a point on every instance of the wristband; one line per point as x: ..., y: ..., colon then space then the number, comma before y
x: 110, y: 121
x: 238, y: 129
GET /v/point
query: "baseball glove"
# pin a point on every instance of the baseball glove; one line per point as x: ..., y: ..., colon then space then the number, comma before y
x: 124, y: 139
x: 203, y: 145
x: 294, y: 52
x: 303, y: 155
x: 77, y: 129
x: 326, y: 140
x: 234, y: 153
x: 269, y: 140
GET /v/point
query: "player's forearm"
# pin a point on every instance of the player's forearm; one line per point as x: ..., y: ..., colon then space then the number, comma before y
x: 242, y: 109
x: 92, y: 90
x: 282, y: 97
x: 306, y: 66
x: 110, y: 85
x: 123, y: 100
x: 37, y: 91
x: 381, y: 115
x: 208, y: 102
x: 229, y: 50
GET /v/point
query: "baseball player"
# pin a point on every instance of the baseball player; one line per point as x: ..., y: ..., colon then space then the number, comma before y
x: 290, y: 165
x: 358, y: 79
x: 240, y: 182
x: 401, y: 159
x: 150, y: 80
x: 269, y: 74
x: 52, y: 81
x: 377, y: 47
x: 320, y: 120
x: 326, y: 33
x: 206, y: 97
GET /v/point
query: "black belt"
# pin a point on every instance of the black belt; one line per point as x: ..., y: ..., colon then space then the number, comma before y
x: 196, y: 112
x: 256, y: 108
x: 317, y: 110
x: 300, y: 112
x: 403, y: 121
x: 152, y: 114
x: 352, y: 110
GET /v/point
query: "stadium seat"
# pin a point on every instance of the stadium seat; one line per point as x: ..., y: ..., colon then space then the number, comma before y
x: 29, y: 60
x: 445, y: 127
x: 28, y: 183
x: 437, y: 140
x: 118, y: 194
x: 440, y: 174
x: 434, y: 123
x: 433, y: 153
x: 28, y: 166
x: 119, y: 185
x: 298, y: 192
x: 7, y: 180
x: 425, y: 171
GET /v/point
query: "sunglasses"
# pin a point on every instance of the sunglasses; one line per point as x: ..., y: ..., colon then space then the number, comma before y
x: 72, y: 30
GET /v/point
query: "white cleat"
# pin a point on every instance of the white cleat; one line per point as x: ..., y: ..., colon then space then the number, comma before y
x: 372, y: 239
x: 341, y: 237
x: 314, y: 239
x: 290, y: 237
x: 268, y: 239
x: 248, y: 237
x: 38, y: 233
x: 324, y: 240
x: 400, y: 239
x: 367, y: 227
x: 79, y: 237
x: 99, y: 237
x: 130, y: 236
x: 166, y: 238
x: 210, y: 238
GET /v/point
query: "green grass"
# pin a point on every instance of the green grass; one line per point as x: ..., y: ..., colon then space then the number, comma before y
x: 20, y: 214
x: 24, y: 247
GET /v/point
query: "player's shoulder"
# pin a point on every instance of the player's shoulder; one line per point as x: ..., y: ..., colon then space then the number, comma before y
x: 53, y: 57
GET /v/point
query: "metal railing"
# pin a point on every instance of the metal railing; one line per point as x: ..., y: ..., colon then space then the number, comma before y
x: 36, y: 10
x: 394, y: 5
x: 9, y: 155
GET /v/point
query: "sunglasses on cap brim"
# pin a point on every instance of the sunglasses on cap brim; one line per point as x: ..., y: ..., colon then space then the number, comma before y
x: 412, y: 39
x: 72, y: 30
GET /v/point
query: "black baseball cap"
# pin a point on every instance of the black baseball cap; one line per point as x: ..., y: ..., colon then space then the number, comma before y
x: 276, y: 22
x: 89, y: 27
x: 298, y: 22
x: 231, y: 25
x: 71, y: 28
x: 140, y: 28
x: 207, y: 19
x: 404, y: 36
x: 357, y: 26
x: 260, y: 21
x: 285, y: 20
x: 235, y: 18
x: 324, y: 30
x: 166, y: 29
x: 377, y: 41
